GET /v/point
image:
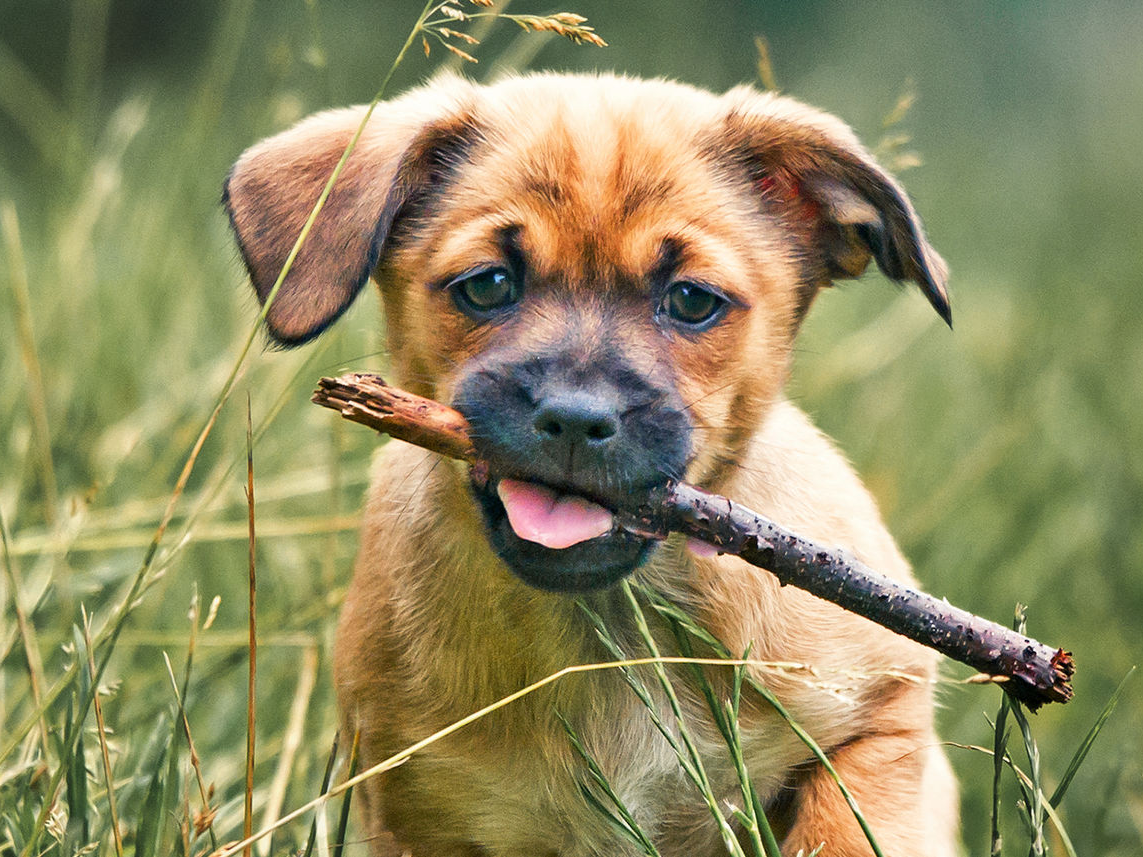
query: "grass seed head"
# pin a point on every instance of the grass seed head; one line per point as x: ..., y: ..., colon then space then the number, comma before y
x: 565, y: 24
x: 457, y: 34
x: 463, y: 55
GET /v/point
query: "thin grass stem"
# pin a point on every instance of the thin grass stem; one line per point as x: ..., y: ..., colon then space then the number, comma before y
x: 625, y: 821
x: 27, y: 633
x: 1035, y: 809
x: 726, y: 719
x: 248, y: 803
x: 1033, y: 795
x: 636, y: 684
x: 105, y: 754
x: 295, y: 727
x: 26, y: 336
x: 343, y: 817
x: 1027, y: 786
x: 326, y: 779
x: 1000, y: 744
x: 758, y: 826
x: 109, y: 635
x: 196, y: 765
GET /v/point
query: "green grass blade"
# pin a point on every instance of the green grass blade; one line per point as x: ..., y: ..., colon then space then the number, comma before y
x: 681, y: 744
x: 326, y: 779
x: 635, y: 683
x: 343, y: 818
x: 1025, y: 783
x: 658, y: 601
x: 624, y: 821
x: 109, y: 635
x: 1088, y: 741
x: 702, y: 780
x: 150, y: 821
x: 75, y: 781
x: 725, y: 717
x: 30, y: 105
x: 1035, y: 806
x: 999, y: 752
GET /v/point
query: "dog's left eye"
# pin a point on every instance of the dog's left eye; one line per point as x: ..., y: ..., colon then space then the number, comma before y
x: 485, y: 291
x: 693, y: 305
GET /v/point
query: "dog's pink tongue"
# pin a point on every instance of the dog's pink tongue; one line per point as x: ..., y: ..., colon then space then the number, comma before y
x: 539, y: 514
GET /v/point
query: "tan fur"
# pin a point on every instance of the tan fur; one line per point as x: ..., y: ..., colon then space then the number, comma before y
x: 768, y: 199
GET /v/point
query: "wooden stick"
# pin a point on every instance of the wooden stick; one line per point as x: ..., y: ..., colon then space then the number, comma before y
x: 1032, y: 672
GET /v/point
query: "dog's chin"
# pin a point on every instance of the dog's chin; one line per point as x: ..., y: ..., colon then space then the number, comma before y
x: 583, y: 567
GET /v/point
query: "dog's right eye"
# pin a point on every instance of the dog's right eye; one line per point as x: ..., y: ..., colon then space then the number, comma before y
x: 485, y: 292
x: 694, y: 306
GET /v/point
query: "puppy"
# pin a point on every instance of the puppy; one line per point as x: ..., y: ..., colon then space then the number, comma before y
x: 605, y: 276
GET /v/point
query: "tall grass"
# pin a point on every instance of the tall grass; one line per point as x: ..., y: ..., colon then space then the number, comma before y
x: 1004, y: 455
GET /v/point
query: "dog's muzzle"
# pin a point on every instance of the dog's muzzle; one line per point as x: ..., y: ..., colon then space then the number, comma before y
x: 564, y: 446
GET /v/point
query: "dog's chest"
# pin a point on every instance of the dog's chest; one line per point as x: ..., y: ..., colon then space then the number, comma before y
x: 518, y: 785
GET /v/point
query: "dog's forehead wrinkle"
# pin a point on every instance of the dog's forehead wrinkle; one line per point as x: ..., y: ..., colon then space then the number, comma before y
x: 600, y: 152
x: 610, y: 240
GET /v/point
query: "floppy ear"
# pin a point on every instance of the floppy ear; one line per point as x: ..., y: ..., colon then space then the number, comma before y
x: 811, y: 169
x: 407, y: 148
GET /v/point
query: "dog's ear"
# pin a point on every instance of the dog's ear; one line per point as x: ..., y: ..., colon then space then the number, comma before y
x: 811, y: 169
x: 407, y: 148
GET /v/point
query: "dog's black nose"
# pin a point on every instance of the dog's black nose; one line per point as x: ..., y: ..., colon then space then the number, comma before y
x: 573, y: 417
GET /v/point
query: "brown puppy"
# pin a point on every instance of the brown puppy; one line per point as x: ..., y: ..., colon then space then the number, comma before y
x: 605, y: 276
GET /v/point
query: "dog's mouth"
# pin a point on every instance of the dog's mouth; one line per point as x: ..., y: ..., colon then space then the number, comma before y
x: 556, y: 540
x: 551, y: 518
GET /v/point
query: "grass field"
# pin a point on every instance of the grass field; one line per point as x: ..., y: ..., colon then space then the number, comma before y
x: 1007, y: 455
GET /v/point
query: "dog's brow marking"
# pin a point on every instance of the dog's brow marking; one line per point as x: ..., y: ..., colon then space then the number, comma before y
x: 643, y: 191
x: 552, y: 166
x: 669, y: 257
x: 545, y: 187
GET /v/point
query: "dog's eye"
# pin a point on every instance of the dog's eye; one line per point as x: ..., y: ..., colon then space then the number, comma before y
x: 693, y: 305
x: 486, y: 291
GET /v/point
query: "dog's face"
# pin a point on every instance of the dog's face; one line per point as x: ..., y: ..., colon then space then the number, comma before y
x: 605, y: 276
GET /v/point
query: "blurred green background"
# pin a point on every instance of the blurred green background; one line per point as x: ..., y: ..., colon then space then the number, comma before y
x: 1007, y: 454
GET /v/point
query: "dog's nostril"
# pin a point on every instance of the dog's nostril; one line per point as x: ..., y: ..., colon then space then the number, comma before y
x: 575, y: 417
x: 601, y: 430
x: 550, y: 427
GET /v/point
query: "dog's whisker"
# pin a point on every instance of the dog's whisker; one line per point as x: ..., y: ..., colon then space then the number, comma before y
x: 709, y: 394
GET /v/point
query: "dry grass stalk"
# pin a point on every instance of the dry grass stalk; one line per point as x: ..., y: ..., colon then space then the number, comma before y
x: 25, y: 334
x: 27, y: 633
x: 104, y: 752
x: 248, y: 797
x: 295, y: 729
x: 204, y: 818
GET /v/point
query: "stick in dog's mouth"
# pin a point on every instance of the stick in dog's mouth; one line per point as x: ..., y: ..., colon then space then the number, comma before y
x: 1034, y: 673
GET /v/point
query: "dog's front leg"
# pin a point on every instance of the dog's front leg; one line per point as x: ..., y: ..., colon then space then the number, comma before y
x: 901, y: 783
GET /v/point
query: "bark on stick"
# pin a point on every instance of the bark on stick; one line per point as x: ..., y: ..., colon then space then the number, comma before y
x: 1032, y: 672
